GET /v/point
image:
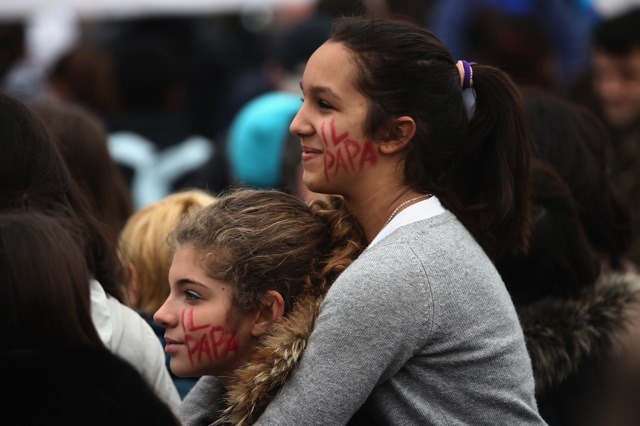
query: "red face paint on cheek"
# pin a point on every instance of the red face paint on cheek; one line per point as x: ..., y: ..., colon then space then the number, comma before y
x: 348, y: 155
x: 206, y: 342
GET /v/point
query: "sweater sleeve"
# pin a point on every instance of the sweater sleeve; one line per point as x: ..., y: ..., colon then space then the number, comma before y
x: 200, y: 407
x: 371, y: 322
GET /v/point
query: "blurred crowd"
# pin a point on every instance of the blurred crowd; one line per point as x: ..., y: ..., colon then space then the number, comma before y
x: 170, y: 89
x: 148, y: 106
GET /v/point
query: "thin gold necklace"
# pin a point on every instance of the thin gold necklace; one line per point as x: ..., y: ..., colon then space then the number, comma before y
x: 404, y: 203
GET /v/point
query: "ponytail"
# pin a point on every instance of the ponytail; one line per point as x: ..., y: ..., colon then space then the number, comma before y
x: 491, y: 180
x: 479, y: 167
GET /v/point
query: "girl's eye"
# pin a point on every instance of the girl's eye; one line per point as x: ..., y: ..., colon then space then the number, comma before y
x: 192, y: 295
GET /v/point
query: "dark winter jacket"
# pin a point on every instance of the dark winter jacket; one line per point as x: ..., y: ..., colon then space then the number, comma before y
x: 580, y: 350
x: 77, y: 385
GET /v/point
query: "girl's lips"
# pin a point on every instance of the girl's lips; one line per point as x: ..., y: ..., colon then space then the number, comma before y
x: 171, y: 346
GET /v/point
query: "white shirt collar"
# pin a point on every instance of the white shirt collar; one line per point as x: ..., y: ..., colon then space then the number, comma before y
x: 415, y: 212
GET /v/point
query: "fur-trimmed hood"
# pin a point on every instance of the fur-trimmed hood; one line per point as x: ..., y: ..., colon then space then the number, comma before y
x: 254, y: 385
x: 562, y: 336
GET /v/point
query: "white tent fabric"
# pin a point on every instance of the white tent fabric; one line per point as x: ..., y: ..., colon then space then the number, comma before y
x: 88, y: 9
x: 52, y: 26
x: 12, y: 9
x: 613, y: 7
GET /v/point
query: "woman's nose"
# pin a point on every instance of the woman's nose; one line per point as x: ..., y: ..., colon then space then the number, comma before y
x: 299, y: 126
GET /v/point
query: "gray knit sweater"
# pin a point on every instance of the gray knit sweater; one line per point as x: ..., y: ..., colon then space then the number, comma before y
x: 420, y: 329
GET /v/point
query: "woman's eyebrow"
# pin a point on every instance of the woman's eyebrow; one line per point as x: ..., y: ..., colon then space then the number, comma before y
x: 320, y: 90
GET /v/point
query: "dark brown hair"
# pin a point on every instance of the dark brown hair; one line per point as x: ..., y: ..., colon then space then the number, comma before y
x: 618, y: 35
x: 84, y: 75
x: 35, y: 177
x: 45, y: 292
x: 478, y: 168
x: 575, y: 141
x: 82, y: 140
x: 560, y: 262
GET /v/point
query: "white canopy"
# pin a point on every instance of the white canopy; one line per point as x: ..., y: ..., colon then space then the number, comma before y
x: 12, y: 9
x: 53, y: 25
x: 87, y: 9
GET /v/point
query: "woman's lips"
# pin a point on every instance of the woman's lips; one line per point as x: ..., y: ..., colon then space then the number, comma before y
x: 310, y: 153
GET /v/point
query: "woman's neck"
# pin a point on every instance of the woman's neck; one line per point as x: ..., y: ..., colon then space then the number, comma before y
x: 375, y: 212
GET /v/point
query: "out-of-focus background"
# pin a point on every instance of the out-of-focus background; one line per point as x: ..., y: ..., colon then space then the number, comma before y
x: 169, y: 78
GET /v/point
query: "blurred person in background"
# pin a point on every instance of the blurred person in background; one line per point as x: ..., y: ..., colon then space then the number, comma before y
x: 585, y: 353
x: 52, y: 357
x: 35, y: 178
x: 260, y: 150
x: 576, y: 143
x: 83, y: 75
x: 613, y: 93
x: 616, y: 70
x: 151, y: 136
x: 538, y: 42
x: 82, y: 140
x: 12, y: 48
x: 146, y: 256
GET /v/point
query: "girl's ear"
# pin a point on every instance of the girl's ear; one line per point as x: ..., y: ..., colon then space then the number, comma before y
x: 401, y: 133
x: 271, y: 310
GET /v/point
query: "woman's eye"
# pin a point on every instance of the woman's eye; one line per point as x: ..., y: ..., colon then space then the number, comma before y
x: 192, y: 295
x: 324, y: 105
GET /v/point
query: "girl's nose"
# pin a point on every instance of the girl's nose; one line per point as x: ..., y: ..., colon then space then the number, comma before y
x: 163, y: 317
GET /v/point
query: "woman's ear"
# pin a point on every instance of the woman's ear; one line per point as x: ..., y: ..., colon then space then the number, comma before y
x: 402, y: 132
x: 271, y: 310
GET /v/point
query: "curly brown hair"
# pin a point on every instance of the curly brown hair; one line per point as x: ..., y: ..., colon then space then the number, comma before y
x: 259, y: 240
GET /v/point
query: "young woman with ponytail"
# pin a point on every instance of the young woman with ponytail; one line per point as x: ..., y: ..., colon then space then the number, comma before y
x: 431, y: 156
